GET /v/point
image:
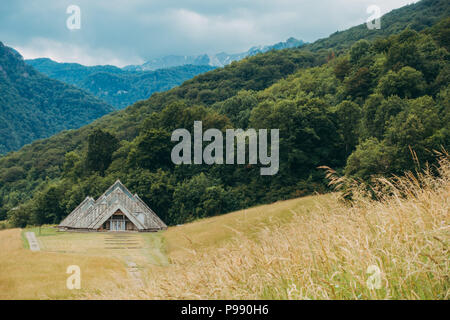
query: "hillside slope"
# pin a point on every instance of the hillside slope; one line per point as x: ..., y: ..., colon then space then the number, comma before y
x: 115, y: 86
x: 33, y: 106
x: 416, y: 16
x: 314, y: 247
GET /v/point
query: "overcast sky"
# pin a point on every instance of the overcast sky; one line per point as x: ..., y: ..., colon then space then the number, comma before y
x: 133, y: 31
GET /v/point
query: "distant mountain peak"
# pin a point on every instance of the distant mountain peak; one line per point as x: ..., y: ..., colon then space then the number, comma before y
x: 215, y: 60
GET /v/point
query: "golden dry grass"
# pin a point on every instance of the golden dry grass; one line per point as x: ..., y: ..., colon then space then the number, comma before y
x: 144, y: 248
x: 42, y: 275
x: 308, y: 248
x: 214, y: 232
x: 321, y: 252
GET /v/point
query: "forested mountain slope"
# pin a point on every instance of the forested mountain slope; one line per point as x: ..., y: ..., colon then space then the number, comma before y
x: 33, y: 106
x: 115, y: 86
x: 359, y: 112
x: 416, y: 16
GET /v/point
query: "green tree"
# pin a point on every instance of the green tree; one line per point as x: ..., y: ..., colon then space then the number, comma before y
x: 377, y: 112
x: 371, y: 157
x: 155, y: 188
x: 406, y: 83
x: 418, y: 128
x: 358, y: 83
x: 47, y: 206
x: 197, y: 197
x: 404, y: 52
x: 101, y: 146
x: 238, y: 108
x: 19, y: 216
x: 152, y: 150
x: 72, y: 168
x: 348, y: 115
x: 342, y: 68
x: 359, y: 50
x: 3, y: 210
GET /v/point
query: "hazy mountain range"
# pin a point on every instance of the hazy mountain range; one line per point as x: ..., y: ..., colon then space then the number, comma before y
x: 215, y: 60
x: 116, y: 86
x: 121, y: 87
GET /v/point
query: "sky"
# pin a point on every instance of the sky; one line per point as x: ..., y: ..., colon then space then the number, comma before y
x: 134, y: 31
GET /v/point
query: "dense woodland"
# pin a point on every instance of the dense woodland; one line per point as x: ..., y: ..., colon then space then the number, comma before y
x: 33, y: 106
x: 116, y: 86
x: 359, y: 106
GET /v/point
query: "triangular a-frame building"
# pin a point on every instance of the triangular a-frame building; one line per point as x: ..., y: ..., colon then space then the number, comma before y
x: 116, y: 210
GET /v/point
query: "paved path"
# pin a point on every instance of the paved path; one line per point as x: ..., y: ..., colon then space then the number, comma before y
x: 34, y: 244
x: 134, y: 272
x: 127, y: 246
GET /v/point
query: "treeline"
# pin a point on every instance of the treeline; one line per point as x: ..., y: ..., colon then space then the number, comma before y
x: 359, y: 112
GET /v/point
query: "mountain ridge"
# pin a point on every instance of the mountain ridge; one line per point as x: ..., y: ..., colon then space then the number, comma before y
x: 34, y: 106
x: 215, y: 60
x: 116, y: 86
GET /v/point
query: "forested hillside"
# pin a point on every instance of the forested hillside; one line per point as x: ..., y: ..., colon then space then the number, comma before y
x: 359, y: 107
x: 418, y: 16
x: 117, y: 87
x: 33, y: 106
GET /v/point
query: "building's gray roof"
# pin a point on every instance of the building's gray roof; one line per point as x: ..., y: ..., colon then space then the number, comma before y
x: 92, y: 214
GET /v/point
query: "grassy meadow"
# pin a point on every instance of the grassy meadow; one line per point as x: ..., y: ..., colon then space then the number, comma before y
x: 42, y: 275
x: 315, y: 247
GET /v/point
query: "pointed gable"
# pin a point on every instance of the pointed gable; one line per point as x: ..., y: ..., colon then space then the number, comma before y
x: 90, y: 214
x: 78, y: 212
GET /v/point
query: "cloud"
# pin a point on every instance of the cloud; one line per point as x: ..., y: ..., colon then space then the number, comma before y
x: 199, y: 29
x: 119, y: 32
x: 71, y: 52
